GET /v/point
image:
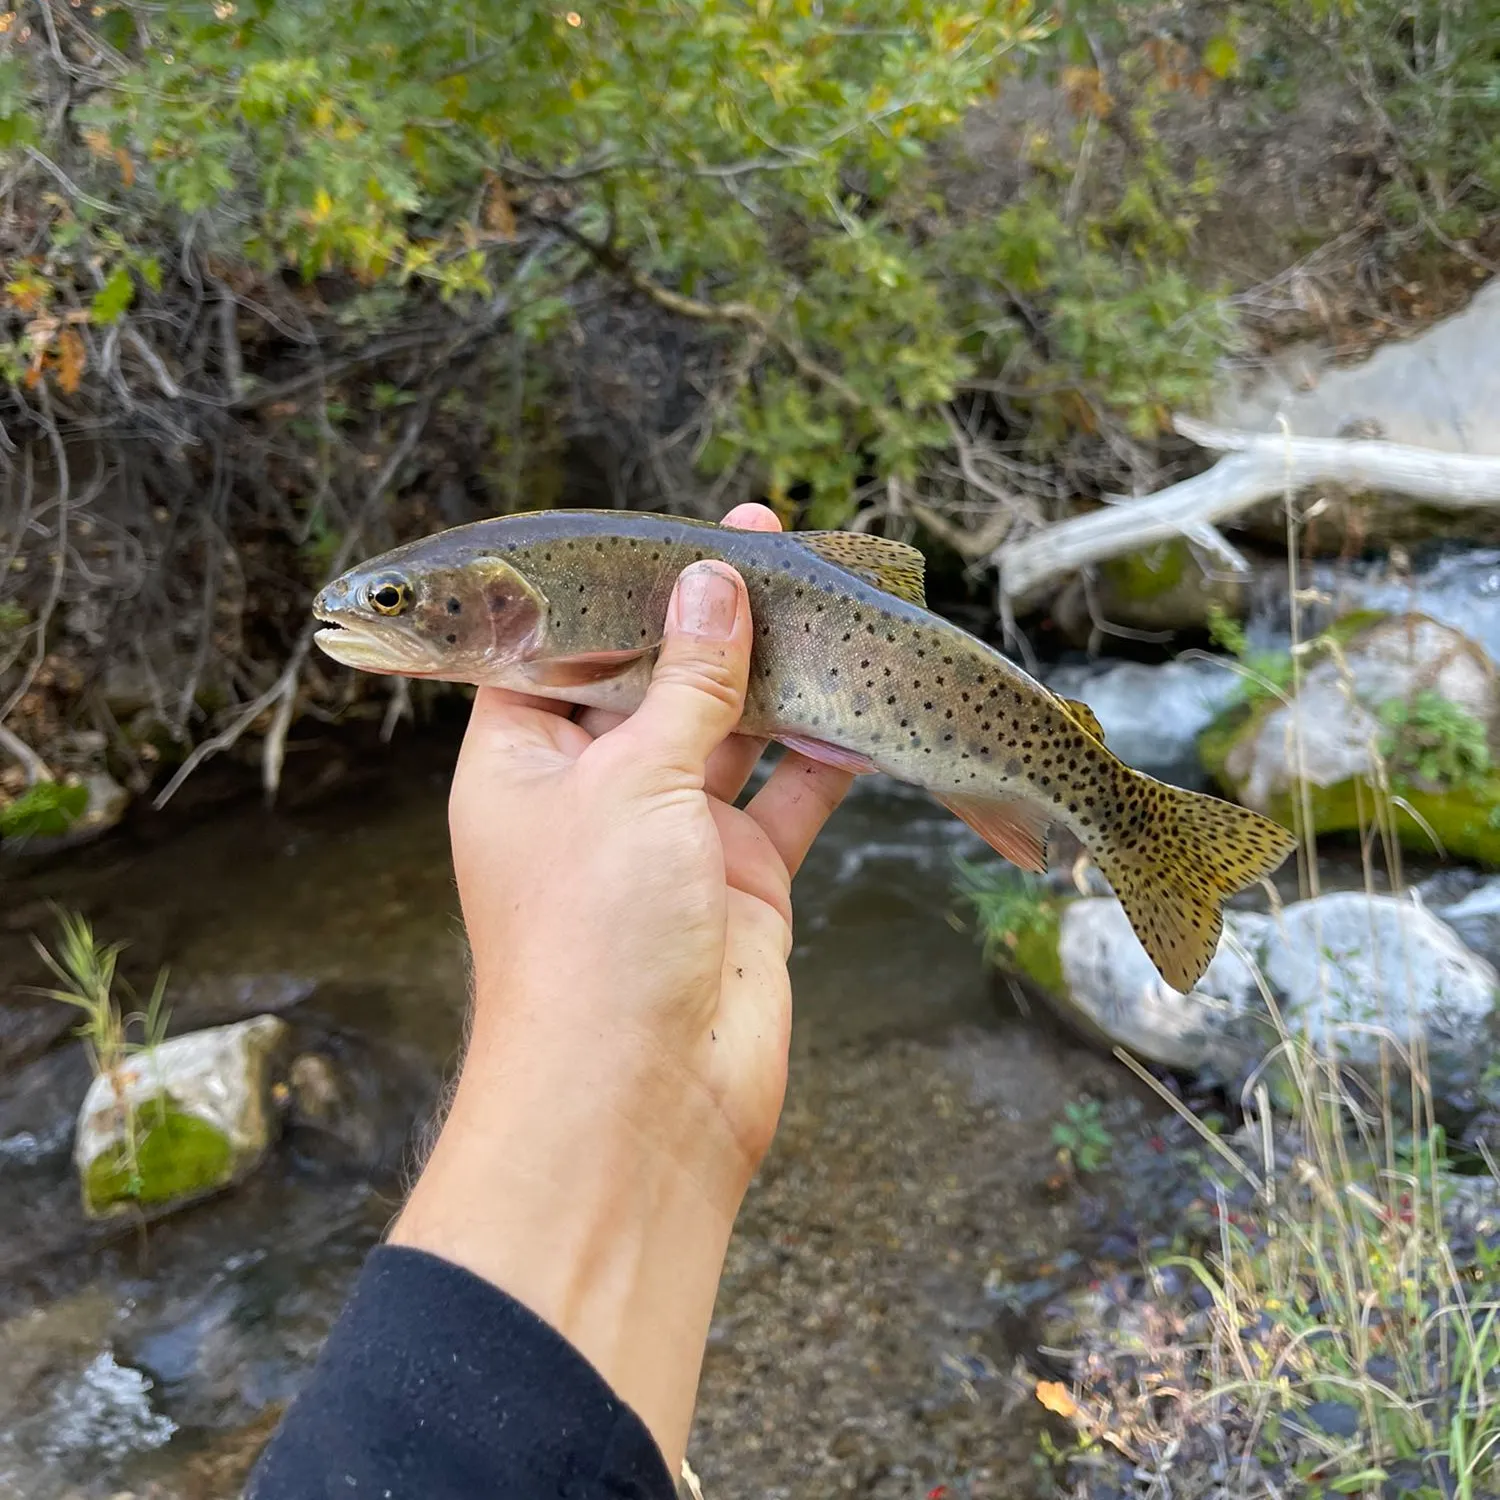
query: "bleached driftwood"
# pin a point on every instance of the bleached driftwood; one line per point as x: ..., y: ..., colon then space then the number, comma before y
x: 1258, y: 467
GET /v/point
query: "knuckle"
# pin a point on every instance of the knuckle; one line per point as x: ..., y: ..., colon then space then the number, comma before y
x: 718, y: 676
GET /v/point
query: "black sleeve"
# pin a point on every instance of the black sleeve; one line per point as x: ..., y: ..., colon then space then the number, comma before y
x: 435, y: 1385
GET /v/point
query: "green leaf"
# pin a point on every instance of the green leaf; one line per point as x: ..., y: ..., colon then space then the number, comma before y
x: 1221, y: 57
x: 1351, y: 1484
x: 111, y: 300
x: 43, y: 811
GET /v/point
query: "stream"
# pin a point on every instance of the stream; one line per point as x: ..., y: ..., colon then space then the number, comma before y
x: 878, y: 1312
x: 855, y: 1349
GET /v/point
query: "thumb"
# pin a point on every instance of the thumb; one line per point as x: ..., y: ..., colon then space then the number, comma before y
x: 697, y: 690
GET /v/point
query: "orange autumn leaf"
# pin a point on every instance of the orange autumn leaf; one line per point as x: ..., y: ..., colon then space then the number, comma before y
x: 1054, y: 1396
x: 498, y: 215
x: 72, y: 360
x: 127, y: 167
x: 1085, y: 91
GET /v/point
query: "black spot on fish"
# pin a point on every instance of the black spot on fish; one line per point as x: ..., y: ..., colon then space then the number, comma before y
x: 452, y: 640
x: 454, y: 606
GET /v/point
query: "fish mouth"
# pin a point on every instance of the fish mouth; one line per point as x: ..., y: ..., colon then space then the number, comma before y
x: 356, y: 643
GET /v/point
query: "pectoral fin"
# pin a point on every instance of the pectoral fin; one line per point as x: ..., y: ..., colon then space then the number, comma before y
x: 828, y: 755
x: 584, y: 669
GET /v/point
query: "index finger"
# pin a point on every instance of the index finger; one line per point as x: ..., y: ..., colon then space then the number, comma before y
x: 794, y: 804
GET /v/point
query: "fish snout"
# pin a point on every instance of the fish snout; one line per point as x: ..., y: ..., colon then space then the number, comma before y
x: 333, y: 598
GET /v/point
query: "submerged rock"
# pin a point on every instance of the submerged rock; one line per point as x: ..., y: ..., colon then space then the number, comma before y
x: 1152, y: 715
x: 179, y: 1122
x: 1400, y: 696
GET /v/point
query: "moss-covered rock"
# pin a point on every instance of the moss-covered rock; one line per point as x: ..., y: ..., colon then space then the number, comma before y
x: 1403, y: 702
x: 1160, y: 588
x: 182, y: 1120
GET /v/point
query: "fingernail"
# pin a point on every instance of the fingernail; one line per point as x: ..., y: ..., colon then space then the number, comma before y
x: 707, y: 601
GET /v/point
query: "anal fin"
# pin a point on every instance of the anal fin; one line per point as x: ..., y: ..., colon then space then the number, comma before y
x: 828, y: 755
x: 1013, y: 828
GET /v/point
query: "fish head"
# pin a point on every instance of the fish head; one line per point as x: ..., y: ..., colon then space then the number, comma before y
x: 434, y: 609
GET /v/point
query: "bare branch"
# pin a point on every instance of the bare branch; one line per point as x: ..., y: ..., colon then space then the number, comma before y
x: 282, y: 693
x: 31, y: 763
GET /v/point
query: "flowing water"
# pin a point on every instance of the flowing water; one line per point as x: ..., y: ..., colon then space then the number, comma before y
x: 855, y: 1348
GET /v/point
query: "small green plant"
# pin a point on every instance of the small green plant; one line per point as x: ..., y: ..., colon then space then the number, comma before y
x: 86, y: 971
x: 1267, y: 674
x: 1017, y: 919
x: 1081, y: 1136
x: 45, y: 810
x: 1433, y: 740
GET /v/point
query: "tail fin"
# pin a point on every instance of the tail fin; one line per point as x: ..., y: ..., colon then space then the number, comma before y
x: 1173, y: 858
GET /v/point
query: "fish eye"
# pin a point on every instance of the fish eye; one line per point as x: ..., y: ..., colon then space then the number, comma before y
x: 389, y: 596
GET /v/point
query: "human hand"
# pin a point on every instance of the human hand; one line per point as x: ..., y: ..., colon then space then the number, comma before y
x: 630, y: 929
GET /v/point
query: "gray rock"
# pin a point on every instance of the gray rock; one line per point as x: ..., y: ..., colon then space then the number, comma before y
x: 1115, y: 988
x: 1343, y: 968
x: 1470, y: 906
x: 1152, y: 715
x: 215, y: 999
x: 1348, y: 965
x: 39, y: 1104
x: 1440, y: 389
x: 1329, y: 734
x: 29, y: 1025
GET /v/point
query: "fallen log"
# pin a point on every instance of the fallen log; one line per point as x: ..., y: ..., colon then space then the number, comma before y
x: 1259, y: 466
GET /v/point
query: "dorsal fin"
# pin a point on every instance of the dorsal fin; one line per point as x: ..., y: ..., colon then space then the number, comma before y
x: 891, y: 566
x: 1084, y: 716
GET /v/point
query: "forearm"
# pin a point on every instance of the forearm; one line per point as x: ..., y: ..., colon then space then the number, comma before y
x: 602, y: 1203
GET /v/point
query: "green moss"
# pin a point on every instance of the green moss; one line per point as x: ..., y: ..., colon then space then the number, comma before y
x: 1346, y: 627
x: 1147, y: 575
x: 177, y: 1156
x: 1018, y: 921
x: 1036, y: 953
x: 1466, y: 819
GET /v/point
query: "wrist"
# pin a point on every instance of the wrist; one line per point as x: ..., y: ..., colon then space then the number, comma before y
x: 602, y: 1203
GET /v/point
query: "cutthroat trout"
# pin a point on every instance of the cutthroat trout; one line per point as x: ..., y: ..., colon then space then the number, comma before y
x: 849, y: 667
